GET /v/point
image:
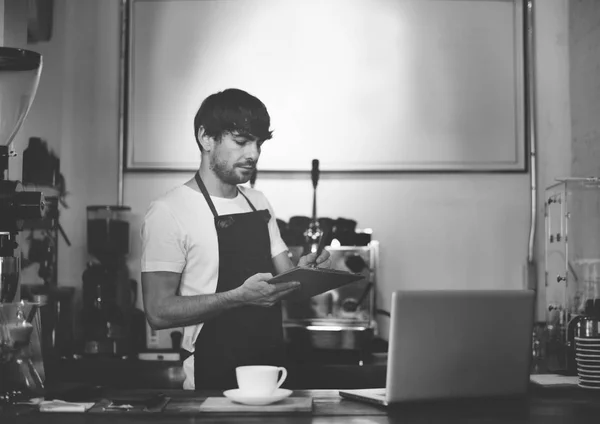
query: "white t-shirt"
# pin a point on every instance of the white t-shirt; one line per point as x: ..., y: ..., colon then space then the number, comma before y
x: 179, y: 235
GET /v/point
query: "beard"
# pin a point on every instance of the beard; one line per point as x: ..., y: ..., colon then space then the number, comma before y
x: 227, y: 173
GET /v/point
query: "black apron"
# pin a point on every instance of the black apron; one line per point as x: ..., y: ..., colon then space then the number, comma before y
x: 247, y: 335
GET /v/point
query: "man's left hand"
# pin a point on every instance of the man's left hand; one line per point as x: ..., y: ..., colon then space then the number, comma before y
x: 323, y: 261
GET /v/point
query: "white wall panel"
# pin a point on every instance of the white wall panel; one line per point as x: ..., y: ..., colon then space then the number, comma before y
x: 360, y: 85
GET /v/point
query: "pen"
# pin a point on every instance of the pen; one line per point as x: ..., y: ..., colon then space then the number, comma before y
x: 320, y: 248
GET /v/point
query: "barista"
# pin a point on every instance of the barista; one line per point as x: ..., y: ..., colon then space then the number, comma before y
x: 209, y: 245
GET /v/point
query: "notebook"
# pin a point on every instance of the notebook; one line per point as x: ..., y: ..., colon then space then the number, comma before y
x: 314, y: 281
x: 456, y: 344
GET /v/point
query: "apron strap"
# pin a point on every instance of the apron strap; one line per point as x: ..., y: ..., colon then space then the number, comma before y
x: 211, y: 205
x: 184, y: 354
x: 202, y: 188
x: 247, y: 200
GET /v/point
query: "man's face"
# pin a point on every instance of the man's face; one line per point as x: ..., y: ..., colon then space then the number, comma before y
x: 234, y: 158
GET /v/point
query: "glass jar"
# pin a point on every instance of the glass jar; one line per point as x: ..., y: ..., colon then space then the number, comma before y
x: 19, y: 378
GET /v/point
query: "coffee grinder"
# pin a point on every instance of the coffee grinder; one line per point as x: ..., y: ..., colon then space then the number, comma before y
x: 107, y: 289
x: 19, y: 340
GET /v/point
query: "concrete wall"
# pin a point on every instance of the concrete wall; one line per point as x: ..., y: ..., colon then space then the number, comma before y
x: 584, y: 221
x: 553, y: 115
x: 76, y: 112
x: 584, y: 43
x: 13, y: 25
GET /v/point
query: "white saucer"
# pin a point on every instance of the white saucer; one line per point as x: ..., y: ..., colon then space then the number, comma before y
x: 587, y: 356
x: 587, y: 361
x: 588, y: 366
x: 590, y: 371
x: 587, y: 339
x: 585, y: 386
x: 594, y: 346
x: 237, y: 396
x: 592, y: 351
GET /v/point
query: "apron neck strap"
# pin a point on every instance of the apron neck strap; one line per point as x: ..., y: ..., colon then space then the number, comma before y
x: 204, y: 191
x: 247, y: 200
x: 211, y: 205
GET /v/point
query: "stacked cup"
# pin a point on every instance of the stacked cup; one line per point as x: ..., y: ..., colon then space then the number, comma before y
x: 587, y: 356
x: 585, y: 330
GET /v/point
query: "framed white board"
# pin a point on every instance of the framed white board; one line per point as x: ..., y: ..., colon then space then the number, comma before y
x: 362, y: 85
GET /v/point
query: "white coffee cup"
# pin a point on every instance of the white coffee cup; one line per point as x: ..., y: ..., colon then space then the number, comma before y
x: 259, y: 380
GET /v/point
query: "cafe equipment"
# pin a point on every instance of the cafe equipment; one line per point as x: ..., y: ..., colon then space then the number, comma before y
x: 339, y: 232
x: 107, y: 288
x: 340, y: 321
x: 19, y: 76
x: 572, y: 253
x: 314, y: 233
x: 40, y: 165
x: 56, y: 313
x: 20, y: 360
x: 21, y: 367
x: 586, y: 334
x: 41, y: 169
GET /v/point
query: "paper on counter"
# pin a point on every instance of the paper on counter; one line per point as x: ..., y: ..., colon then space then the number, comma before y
x: 554, y: 380
x: 62, y: 406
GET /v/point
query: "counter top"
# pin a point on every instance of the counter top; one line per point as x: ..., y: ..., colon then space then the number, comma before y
x: 543, y: 405
x: 136, y: 374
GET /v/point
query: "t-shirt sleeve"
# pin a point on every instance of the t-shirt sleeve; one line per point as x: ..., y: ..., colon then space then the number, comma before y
x: 163, y: 242
x: 277, y: 244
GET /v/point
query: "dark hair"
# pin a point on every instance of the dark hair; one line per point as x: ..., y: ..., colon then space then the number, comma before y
x: 233, y: 111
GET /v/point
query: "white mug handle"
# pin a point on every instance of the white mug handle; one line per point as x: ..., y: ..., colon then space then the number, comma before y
x: 283, y: 376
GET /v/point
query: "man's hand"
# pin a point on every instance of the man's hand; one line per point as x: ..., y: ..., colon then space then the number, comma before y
x: 323, y: 261
x: 257, y: 292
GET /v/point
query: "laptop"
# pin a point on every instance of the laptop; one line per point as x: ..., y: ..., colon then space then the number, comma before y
x: 446, y: 344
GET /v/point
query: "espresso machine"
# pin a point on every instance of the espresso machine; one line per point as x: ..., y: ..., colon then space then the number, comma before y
x: 314, y: 236
x: 572, y: 258
x: 338, y: 325
x: 20, y: 326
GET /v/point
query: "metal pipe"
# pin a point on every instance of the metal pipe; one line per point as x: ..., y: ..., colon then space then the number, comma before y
x: 123, y: 86
x: 531, y: 133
